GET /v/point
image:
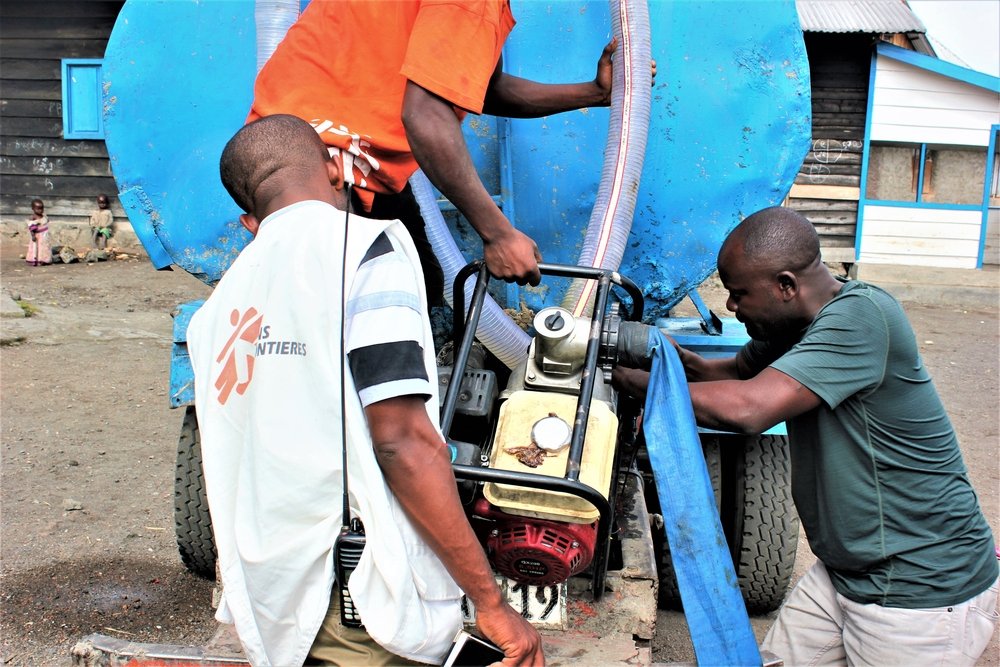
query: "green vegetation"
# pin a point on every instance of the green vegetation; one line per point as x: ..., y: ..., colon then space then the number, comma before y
x: 29, y: 308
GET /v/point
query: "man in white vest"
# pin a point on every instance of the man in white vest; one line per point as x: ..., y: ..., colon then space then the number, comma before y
x: 271, y: 349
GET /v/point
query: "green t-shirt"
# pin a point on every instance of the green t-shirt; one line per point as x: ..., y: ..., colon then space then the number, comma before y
x: 877, y: 475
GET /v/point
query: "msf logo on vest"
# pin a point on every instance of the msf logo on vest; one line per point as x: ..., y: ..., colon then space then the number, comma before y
x: 237, y: 355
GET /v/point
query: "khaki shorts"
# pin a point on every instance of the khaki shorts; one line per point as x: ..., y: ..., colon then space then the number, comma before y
x: 339, y: 645
x: 818, y: 626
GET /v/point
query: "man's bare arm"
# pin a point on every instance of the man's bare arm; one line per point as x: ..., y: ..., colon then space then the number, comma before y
x: 750, y: 406
x: 435, y: 137
x: 722, y: 399
x: 515, y: 97
x: 633, y: 381
x: 416, y: 467
x: 704, y: 369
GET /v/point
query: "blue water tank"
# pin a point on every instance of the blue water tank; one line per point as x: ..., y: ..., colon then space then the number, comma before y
x: 729, y: 127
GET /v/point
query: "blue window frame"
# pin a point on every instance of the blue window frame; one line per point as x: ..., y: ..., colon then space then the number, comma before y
x: 82, y: 99
x: 925, y: 175
x: 991, y: 191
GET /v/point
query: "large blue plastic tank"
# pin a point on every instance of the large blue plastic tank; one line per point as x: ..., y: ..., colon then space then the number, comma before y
x: 729, y: 127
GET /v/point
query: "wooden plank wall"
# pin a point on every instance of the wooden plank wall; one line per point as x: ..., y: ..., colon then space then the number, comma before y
x: 35, y: 161
x: 921, y: 236
x: 917, y: 106
x: 826, y: 188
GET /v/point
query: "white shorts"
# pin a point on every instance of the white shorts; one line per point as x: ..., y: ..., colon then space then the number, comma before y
x: 818, y: 626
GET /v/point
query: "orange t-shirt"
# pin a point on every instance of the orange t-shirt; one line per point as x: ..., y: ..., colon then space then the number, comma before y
x: 343, y: 67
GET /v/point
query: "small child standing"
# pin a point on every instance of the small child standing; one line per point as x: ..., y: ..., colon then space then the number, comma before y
x: 100, y: 223
x: 39, y: 247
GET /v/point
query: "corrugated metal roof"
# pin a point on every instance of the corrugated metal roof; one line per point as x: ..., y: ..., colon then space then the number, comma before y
x: 874, y: 16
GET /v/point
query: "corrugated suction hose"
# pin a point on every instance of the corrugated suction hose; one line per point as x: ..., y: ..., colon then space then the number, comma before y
x: 498, y: 332
x: 611, y: 220
x: 272, y: 18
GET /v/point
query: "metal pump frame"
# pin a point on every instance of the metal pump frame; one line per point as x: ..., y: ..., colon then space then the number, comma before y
x: 465, y: 330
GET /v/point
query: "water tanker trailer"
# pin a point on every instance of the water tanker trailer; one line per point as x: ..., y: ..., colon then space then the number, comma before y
x: 628, y: 205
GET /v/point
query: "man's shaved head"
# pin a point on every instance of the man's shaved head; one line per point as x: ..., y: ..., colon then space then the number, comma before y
x: 771, y: 266
x: 265, y: 154
x: 777, y: 238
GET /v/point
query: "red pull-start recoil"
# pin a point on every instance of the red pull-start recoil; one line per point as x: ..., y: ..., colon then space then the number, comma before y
x: 537, y: 551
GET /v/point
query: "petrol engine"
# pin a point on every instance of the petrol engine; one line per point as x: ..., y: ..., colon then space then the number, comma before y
x: 541, y: 472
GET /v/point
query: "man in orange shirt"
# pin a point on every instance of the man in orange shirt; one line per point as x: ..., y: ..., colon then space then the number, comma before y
x: 387, y: 84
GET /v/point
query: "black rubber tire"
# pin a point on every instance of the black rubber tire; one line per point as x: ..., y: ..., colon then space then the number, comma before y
x: 752, y: 481
x: 192, y: 521
x: 761, y: 523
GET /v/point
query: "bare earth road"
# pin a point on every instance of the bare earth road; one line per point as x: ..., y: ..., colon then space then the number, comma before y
x: 88, y: 445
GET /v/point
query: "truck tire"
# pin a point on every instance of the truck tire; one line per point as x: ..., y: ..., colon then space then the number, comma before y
x: 759, y: 517
x: 192, y: 521
x: 752, y: 479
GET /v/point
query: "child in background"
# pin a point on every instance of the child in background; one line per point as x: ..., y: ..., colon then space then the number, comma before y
x: 39, y: 247
x: 100, y: 223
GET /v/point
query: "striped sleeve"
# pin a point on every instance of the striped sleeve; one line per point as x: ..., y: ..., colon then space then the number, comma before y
x: 385, y: 326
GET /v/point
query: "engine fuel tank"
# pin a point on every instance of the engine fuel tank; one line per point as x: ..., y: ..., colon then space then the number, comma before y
x: 517, y: 417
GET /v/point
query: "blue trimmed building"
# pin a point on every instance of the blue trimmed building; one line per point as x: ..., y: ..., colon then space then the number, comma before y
x: 903, y: 168
x: 929, y: 194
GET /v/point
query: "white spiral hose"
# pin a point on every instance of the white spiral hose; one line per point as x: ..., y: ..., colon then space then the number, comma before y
x: 272, y: 18
x: 501, y: 336
x: 611, y: 220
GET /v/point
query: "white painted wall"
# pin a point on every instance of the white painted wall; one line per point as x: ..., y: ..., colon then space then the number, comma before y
x: 914, y: 105
x: 920, y: 237
x: 918, y: 106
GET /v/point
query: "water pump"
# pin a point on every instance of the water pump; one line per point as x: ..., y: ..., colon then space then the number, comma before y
x: 546, y: 470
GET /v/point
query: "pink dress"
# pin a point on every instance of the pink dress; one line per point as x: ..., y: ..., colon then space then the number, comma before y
x: 39, y: 247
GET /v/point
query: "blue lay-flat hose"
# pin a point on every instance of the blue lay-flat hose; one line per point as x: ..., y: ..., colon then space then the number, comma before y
x: 713, y: 605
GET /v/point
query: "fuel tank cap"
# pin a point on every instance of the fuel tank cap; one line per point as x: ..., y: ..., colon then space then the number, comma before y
x: 551, y: 433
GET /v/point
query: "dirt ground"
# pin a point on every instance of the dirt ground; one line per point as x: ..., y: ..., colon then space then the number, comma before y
x: 88, y: 446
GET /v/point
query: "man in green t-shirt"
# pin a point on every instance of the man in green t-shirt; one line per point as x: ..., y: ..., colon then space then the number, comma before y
x: 907, y: 570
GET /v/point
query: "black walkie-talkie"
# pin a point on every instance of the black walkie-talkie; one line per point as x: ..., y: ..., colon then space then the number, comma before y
x: 350, y: 543
x: 347, y: 554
